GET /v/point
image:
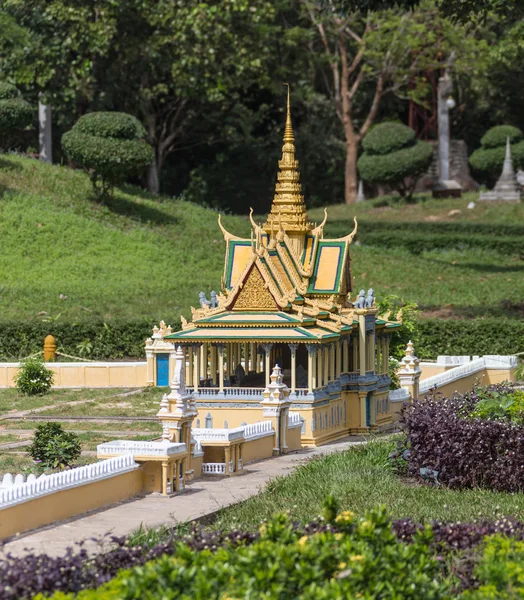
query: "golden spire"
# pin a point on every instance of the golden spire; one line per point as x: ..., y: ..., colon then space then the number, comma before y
x: 288, y: 211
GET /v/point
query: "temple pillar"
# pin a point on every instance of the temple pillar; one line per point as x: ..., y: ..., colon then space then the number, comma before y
x: 196, y: 369
x: 227, y: 453
x: 325, y: 368
x: 267, y: 366
x: 293, y: 348
x: 164, y: 478
x: 213, y: 361
x: 311, y: 368
x: 220, y: 349
x: 246, y: 357
x: 345, y: 352
x: 362, y: 343
x: 190, y: 365
x: 339, y: 346
x: 253, y: 357
x: 319, y: 361
x: 332, y: 362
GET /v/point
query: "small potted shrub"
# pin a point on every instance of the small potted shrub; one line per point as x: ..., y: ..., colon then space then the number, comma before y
x: 34, y: 378
x: 53, y: 447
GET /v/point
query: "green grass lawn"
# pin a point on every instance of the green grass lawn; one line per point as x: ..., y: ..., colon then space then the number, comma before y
x: 12, y: 401
x: 145, y: 404
x: 140, y: 256
x: 15, y: 463
x: 139, y: 426
x: 360, y: 479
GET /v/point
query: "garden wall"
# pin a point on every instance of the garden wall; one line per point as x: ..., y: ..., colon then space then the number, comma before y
x: 67, y: 494
x: 86, y: 375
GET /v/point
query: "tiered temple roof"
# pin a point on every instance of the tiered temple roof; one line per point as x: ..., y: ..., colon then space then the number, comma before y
x: 286, y: 283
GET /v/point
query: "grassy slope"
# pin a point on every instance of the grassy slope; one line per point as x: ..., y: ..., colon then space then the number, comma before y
x: 361, y: 479
x: 140, y: 256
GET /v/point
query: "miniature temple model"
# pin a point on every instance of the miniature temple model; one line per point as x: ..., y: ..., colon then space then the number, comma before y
x: 507, y: 188
x: 286, y: 301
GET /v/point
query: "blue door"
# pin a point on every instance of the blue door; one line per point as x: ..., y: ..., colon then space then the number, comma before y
x: 162, y: 370
x: 368, y: 409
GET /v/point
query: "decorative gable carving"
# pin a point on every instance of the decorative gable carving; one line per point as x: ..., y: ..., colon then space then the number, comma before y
x: 254, y: 294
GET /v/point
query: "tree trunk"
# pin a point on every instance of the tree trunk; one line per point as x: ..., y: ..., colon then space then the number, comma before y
x: 153, y: 184
x: 45, y: 133
x: 350, y: 172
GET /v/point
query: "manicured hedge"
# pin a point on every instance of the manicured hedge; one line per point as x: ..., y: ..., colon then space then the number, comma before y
x: 15, y: 112
x: 340, y: 228
x: 388, y: 137
x: 117, y: 340
x: 469, y: 336
x: 110, y: 340
x: 417, y: 243
x: 498, y: 135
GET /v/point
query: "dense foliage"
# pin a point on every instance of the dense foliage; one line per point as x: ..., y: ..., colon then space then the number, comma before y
x: 393, y: 157
x: 15, y: 112
x: 98, y: 340
x: 451, y: 444
x: 110, y: 146
x: 489, y: 158
x: 90, y: 339
x: 53, y: 447
x: 271, y: 555
x: 469, y: 336
x: 33, y: 377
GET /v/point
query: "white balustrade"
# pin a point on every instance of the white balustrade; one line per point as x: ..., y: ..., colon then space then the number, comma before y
x: 400, y: 395
x: 295, y: 420
x: 258, y: 430
x: 217, y: 435
x: 214, y: 468
x: 454, y: 374
x: 13, y: 492
x: 138, y: 448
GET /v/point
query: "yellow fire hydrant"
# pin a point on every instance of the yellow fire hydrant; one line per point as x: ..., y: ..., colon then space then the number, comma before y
x: 49, y: 349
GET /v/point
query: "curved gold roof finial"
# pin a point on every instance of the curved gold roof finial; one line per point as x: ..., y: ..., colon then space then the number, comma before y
x: 320, y: 228
x: 227, y: 236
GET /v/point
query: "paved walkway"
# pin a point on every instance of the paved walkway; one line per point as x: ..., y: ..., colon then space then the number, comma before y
x: 203, y: 497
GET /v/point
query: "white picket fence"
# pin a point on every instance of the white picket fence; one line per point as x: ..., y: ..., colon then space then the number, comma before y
x: 15, y: 490
x: 295, y: 420
x: 400, y: 395
x: 214, y: 468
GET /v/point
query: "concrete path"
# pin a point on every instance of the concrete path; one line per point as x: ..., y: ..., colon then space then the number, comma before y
x: 203, y: 497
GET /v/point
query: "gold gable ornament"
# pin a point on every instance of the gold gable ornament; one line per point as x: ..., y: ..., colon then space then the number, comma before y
x: 254, y: 294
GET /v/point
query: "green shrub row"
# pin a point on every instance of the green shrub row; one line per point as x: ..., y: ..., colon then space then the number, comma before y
x: 93, y: 340
x: 117, y: 340
x: 419, y: 242
x: 340, y: 228
x: 472, y: 336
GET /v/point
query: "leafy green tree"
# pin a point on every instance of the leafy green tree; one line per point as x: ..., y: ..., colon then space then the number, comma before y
x: 110, y: 146
x: 164, y: 62
x: 393, y: 156
x: 369, y: 55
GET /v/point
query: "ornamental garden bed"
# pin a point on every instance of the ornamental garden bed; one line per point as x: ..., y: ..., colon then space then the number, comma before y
x: 459, y: 530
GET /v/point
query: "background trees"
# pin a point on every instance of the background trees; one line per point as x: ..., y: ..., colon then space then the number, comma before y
x: 205, y: 79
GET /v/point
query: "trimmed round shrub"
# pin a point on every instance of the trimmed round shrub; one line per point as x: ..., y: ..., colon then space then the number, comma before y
x: 394, y: 157
x: 489, y: 158
x: 53, y: 447
x: 497, y: 136
x: 388, y: 137
x: 34, y: 378
x: 110, y: 146
x: 15, y: 112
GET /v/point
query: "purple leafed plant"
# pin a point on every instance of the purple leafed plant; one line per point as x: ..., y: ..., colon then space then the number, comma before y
x: 460, y: 450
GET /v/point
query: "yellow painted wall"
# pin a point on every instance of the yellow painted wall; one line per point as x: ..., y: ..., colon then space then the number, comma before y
x: 69, y: 503
x: 258, y: 449
x: 196, y: 465
x: 234, y: 416
x: 294, y: 439
x: 86, y: 375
